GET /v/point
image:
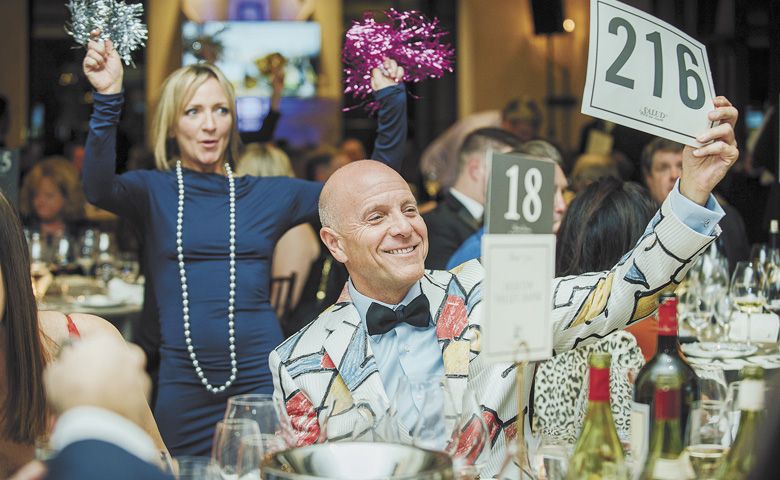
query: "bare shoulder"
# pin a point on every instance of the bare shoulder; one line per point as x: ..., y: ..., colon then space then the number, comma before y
x: 92, y: 324
x: 55, y: 325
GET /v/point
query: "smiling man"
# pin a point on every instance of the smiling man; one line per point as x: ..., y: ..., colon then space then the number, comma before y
x: 397, y: 322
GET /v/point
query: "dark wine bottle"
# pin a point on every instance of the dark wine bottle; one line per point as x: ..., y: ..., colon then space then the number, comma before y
x: 668, y: 360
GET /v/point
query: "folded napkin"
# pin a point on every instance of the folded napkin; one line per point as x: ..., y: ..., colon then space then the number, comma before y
x: 764, y: 327
x: 121, y: 291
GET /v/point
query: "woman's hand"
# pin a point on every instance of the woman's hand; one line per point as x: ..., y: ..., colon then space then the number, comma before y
x: 386, y: 75
x: 102, y: 65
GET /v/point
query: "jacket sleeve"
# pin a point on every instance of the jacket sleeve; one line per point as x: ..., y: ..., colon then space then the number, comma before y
x: 391, y: 132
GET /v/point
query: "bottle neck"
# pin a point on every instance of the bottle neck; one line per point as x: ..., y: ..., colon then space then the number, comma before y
x: 599, y: 386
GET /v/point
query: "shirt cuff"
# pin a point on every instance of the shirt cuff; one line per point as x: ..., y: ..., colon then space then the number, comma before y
x: 93, y: 423
x: 700, y: 219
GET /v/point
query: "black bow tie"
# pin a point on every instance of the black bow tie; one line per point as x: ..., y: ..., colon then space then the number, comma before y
x: 381, y: 319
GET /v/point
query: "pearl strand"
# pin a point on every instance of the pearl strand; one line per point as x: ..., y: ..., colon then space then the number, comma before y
x: 232, y: 285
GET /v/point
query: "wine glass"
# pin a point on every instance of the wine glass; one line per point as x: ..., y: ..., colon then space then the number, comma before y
x: 772, y: 287
x: 550, y: 461
x: 747, y: 290
x: 193, y: 468
x: 250, y: 455
x: 707, y: 437
x: 694, y: 309
x: 712, y: 381
x: 227, y: 442
x: 759, y: 253
x: 260, y: 408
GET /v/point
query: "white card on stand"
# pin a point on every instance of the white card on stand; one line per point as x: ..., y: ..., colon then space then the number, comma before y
x: 518, y: 297
x: 646, y: 74
x: 764, y: 327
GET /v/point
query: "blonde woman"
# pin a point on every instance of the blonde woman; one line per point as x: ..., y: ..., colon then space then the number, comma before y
x: 297, y: 253
x: 209, y: 234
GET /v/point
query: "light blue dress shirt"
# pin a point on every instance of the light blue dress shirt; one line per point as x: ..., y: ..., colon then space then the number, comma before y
x: 405, y: 353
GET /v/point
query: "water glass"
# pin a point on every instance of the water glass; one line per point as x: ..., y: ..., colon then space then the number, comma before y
x: 262, y: 409
x: 227, y: 443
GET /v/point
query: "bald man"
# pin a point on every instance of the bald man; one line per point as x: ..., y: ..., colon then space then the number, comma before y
x: 395, y: 321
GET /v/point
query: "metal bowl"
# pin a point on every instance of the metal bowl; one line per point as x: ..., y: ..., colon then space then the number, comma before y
x: 358, y: 461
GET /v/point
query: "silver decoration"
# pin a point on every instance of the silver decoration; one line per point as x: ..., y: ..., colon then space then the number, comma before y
x: 116, y: 20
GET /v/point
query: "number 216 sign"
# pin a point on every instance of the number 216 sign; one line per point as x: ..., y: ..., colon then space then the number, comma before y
x: 645, y: 74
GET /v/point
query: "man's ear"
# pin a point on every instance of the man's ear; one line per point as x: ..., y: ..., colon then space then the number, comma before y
x: 332, y: 240
x: 475, y: 166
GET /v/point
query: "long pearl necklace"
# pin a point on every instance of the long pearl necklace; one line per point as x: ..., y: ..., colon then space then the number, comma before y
x: 183, y: 277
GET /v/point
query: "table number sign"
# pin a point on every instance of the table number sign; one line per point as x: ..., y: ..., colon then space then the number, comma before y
x: 518, y: 252
x: 646, y: 74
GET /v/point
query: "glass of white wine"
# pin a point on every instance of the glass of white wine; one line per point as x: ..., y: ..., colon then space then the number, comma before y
x: 747, y: 290
x: 707, y: 437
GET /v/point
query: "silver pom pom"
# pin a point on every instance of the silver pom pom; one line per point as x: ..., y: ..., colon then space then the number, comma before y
x: 115, y: 19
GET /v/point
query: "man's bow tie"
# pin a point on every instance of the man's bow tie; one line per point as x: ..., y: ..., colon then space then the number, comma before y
x: 381, y: 319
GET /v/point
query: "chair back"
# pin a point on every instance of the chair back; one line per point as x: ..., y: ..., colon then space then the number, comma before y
x: 282, y: 295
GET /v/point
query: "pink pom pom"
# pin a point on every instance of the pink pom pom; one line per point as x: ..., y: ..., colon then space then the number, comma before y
x: 409, y: 38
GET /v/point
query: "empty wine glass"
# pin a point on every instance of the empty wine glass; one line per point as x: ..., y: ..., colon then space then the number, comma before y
x: 712, y: 381
x: 772, y: 287
x: 747, y: 290
x: 227, y: 442
x: 250, y: 456
x: 261, y: 409
x: 694, y: 309
x: 193, y: 468
x: 707, y: 437
x: 87, y: 251
x: 550, y: 461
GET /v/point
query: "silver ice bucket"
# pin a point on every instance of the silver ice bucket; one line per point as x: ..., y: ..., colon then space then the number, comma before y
x: 358, y: 461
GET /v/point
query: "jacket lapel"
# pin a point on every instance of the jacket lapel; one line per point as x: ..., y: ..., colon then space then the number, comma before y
x: 349, y: 349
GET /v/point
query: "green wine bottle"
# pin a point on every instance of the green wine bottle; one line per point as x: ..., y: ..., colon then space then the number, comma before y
x: 666, y: 459
x: 598, y: 454
x: 750, y: 400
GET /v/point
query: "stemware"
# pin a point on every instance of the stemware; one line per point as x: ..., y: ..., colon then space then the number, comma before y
x: 227, y: 443
x: 262, y: 409
x: 747, y: 290
x: 193, y: 468
x: 707, y: 437
x: 250, y: 455
x: 772, y: 287
x: 712, y: 381
x: 550, y: 461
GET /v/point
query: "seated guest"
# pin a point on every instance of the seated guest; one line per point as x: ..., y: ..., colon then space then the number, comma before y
x: 661, y: 166
x: 459, y: 214
x: 297, y: 252
x: 52, y: 202
x: 471, y: 248
x: 396, y: 321
x: 96, y: 386
x: 602, y: 223
x: 28, y: 340
x: 590, y: 167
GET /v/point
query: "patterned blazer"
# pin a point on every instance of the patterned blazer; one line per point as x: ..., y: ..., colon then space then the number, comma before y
x: 327, y: 370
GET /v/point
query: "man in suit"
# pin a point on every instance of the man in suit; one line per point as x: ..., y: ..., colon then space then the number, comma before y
x: 662, y: 162
x: 93, y: 387
x: 396, y: 321
x: 459, y: 214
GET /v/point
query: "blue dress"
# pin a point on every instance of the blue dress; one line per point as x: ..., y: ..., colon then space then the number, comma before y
x: 265, y: 208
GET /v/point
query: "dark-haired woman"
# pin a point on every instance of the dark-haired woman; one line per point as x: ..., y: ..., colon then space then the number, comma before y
x: 602, y: 223
x: 29, y: 339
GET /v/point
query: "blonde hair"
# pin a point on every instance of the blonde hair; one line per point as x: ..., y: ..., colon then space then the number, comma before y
x: 264, y: 160
x: 177, y: 90
x: 65, y: 176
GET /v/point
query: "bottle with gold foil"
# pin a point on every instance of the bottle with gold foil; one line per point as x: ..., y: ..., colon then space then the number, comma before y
x: 598, y: 454
x: 666, y: 458
x: 750, y: 400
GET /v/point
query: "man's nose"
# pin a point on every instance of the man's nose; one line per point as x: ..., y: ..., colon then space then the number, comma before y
x: 401, y: 225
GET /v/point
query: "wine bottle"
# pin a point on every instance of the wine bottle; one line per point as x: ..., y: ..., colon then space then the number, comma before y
x: 668, y: 359
x: 666, y: 459
x: 598, y: 453
x: 750, y: 400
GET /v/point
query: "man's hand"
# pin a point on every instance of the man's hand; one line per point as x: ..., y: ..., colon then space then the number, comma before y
x: 705, y: 167
x: 99, y: 371
x: 386, y: 75
x: 102, y: 65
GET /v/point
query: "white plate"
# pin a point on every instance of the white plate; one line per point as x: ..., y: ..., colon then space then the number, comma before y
x: 726, y: 350
x: 98, y: 301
